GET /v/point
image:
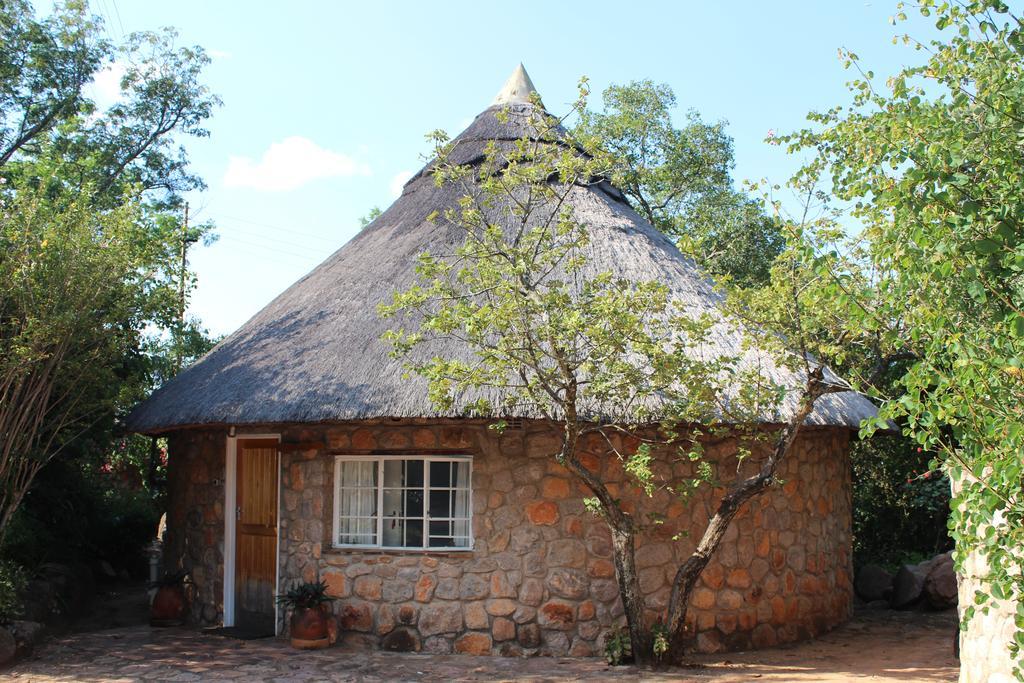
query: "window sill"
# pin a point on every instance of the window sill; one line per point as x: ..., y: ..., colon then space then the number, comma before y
x: 331, y: 549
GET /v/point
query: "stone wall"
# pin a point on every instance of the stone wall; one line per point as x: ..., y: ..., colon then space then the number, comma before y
x: 985, y: 645
x: 195, y: 519
x: 540, y: 579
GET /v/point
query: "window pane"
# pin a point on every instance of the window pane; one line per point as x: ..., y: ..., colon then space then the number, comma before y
x: 442, y: 542
x: 394, y: 503
x: 440, y: 474
x: 414, y: 473
x: 394, y: 531
x: 357, y: 503
x: 440, y: 528
x: 440, y: 503
x: 460, y: 474
x: 460, y: 503
x: 356, y: 530
x: 393, y: 472
x: 460, y: 527
x: 414, y: 533
x: 414, y: 502
x: 358, y: 473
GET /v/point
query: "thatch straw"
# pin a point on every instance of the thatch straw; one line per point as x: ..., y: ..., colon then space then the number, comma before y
x: 313, y: 354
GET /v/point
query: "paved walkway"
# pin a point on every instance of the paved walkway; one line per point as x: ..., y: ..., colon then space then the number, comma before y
x: 880, y: 646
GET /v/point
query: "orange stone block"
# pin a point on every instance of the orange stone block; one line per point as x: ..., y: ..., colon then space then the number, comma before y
x: 555, y: 487
x: 739, y: 578
x: 425, y: 588
x: 778, y: 610
x: 762, y: 543
x: 542, y: 512
x: 363, y: 439
x: 586, y: 611
x: 713, y: 576
x: 589, y: 461
x: 335, y: 585
x: 424, y: 438
x: 601, y: 569
x: 703, y: 598
x: 574, y: 527
x: 474, y: 644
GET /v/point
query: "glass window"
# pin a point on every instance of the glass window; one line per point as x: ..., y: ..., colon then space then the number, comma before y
x: 416, y: 502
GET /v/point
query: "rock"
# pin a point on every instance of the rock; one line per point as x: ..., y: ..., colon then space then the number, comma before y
x: 26, y: 634
x: 401, y: 640
x: 940, y: 585
x: 8, y: 646
x: 907, y: 587
x: 872, y: 583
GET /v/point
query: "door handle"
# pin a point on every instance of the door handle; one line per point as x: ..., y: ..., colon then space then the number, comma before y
x: 238, y: 513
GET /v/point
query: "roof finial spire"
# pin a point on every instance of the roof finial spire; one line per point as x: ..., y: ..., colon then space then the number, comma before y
x: 516, y: 90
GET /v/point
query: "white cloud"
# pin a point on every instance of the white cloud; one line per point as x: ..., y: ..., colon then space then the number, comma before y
x: 291, y: 163
x: 400, y: 179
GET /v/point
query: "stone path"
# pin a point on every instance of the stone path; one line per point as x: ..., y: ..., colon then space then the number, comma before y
x: 877, y: 646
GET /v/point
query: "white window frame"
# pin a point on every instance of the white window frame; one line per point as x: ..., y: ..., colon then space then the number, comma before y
x: 427, y: 459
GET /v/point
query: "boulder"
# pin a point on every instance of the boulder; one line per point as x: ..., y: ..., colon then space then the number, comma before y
x: 940, y: 586
x: 8, y: 646
x: 873, y: 583
x: 27, y: 635
x: 907, y: 586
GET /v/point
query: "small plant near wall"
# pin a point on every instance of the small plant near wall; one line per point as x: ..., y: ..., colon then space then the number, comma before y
x: 618, y: 649
x: 311, y: 614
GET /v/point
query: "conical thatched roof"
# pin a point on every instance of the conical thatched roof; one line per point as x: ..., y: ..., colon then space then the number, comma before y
x: 313, y: 354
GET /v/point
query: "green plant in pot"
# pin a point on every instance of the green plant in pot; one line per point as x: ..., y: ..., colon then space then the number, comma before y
x: 311, y: 614
x: 170, y: 604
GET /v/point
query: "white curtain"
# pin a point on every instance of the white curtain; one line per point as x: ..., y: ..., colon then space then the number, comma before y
x: 357, y: 502
x: 460, y: 503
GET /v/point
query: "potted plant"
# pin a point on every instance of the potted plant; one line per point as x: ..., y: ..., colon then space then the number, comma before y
x: 311, y: 615
x: 169, y: 604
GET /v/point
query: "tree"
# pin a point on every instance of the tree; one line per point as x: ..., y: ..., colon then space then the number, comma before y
x: 604, y: 360
x: 90, y: 234
x: 929, y: 164
x: 679, y: 180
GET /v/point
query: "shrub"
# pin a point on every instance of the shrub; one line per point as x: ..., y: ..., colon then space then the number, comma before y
x: 900, y: 508
x: 13, y: 581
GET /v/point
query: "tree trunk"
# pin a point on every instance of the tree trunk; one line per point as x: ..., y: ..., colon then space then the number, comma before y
x: 624, y: 548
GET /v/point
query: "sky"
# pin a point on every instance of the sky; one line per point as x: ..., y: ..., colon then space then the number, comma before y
x: 326, y: 104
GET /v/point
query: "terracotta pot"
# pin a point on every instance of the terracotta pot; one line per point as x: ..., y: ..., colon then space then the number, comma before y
x: 309, y: 627
x: 169, y: 606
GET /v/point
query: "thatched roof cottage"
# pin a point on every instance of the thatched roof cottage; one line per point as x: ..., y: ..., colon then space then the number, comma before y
x: 299, y: 451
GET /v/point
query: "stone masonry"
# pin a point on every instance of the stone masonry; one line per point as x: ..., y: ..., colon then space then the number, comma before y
x: 540, y: 578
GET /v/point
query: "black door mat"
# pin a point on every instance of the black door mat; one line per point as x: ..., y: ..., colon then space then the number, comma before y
x: 239, y: 632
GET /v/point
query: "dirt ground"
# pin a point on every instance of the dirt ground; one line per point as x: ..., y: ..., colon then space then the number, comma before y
x: 874, y: 646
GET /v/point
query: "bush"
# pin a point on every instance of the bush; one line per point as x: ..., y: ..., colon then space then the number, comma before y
x: 12, y: 589
x: 900, y: 508
x: 77, y: 513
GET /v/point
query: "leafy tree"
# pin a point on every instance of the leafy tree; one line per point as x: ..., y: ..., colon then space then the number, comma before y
x: 370, y: 216
x: 90, y: 230
x: 679, y: 180
x: 929, y: 164
x: 549, y: 337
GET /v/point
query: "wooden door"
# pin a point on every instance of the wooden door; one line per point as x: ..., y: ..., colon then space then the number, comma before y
x: 256, y: 533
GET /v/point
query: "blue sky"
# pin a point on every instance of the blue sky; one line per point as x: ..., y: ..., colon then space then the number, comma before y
x: 326, y: 104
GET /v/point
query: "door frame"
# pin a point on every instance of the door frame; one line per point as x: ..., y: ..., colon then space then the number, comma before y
x: 230, y: 523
